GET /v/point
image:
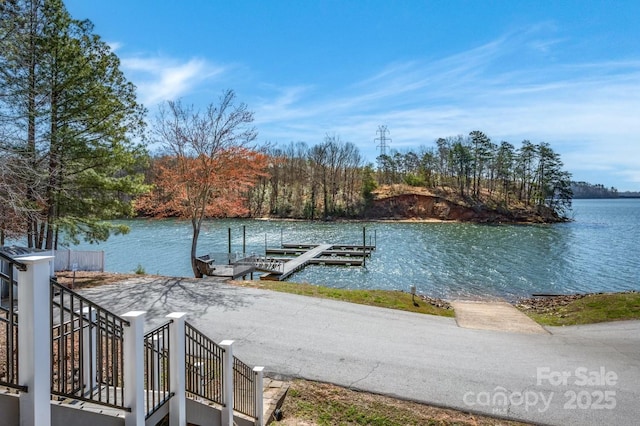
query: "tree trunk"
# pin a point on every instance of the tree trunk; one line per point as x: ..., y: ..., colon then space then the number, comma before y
x: 194, y: 246
x: 31, y: 126
x: 54, y: 169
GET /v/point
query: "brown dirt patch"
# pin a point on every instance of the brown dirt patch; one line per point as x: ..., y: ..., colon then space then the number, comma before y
x: 312, y: 403
x: 82, y: 279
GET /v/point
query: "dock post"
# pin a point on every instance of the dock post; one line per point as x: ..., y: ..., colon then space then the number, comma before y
x: 229, y: 246
x: 364, y: 246
x: 244, y: 241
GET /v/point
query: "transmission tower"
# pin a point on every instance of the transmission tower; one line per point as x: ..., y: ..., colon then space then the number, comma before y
x: 382, y: 139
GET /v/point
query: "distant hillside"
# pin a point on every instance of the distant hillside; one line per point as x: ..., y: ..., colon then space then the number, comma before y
x: 588, y: 190
x: 629, y: 194
x: 583, y: 190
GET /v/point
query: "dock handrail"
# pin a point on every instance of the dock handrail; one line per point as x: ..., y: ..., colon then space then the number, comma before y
x: 267, y: 264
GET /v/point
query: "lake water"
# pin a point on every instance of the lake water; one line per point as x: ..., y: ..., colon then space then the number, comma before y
x: 599, y: 251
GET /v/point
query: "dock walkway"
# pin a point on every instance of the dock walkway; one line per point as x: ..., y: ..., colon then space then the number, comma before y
x: 316, y: 254
x: 297, y: 263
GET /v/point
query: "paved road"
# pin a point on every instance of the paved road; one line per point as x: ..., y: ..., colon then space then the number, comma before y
x: 584, y: 375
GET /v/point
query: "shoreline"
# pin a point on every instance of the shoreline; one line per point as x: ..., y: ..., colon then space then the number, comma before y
x: 100, y: 278
x: 382, y: 220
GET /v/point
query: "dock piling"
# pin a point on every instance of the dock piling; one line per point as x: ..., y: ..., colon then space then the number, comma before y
x: 364, y: 246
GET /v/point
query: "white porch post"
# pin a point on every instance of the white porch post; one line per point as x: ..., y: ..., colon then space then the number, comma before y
x: 259, y: 415
x: 177, y: 366
x: 227, y: 374
x: 133, y: 368
x: 34, y: 341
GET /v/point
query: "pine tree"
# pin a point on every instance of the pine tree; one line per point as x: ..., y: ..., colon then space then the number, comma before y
x: 77, y: 124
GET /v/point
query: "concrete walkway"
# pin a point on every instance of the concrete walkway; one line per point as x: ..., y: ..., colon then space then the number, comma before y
x: 494, y: 315
x: 584, y: 375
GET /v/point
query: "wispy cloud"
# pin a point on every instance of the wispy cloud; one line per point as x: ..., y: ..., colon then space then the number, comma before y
x: 513, y: 88
x: 587, y: 111
x: 159, y: 79
x: 114, y: 46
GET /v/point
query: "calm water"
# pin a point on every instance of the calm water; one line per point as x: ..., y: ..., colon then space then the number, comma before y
x: 599, y: 251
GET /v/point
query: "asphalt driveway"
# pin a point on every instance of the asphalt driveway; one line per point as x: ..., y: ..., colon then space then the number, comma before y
x: 582, y: 375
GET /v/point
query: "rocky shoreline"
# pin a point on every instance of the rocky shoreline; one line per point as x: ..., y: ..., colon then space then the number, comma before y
x: 547, y: 304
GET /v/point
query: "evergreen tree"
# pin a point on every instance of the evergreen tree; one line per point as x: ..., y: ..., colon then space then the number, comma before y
x: 77, y: 123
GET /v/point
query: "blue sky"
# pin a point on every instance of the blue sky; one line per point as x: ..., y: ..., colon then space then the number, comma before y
x: 563, y: 72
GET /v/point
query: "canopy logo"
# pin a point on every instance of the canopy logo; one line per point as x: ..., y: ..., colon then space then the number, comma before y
x: 587, y: 391
x: 501, y: 399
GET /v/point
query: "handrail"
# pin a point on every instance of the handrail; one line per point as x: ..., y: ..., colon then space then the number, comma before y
x: 244, y: 388
x: 156, y: 368
x: 19, y: 265
x: 203, y: 366
x: 268, y: 264
x: 9, y: 326
x: 87, y: 349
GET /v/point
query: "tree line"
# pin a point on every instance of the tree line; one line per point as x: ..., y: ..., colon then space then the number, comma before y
x: 310, y: 182
x: 331, y: 179
x: 482, y: 171
x: 588, y: 190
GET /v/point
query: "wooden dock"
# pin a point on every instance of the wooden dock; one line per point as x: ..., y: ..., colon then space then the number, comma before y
x: 316, y: 254
x: 277, y: 268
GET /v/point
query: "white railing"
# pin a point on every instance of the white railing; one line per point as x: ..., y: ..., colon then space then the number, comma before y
x: 154, y: 365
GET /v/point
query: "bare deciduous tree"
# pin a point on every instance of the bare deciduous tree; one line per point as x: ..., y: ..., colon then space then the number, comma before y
x: 209, y: 162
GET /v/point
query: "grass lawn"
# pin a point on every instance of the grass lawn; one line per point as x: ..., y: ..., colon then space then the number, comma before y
x: 381, y: 298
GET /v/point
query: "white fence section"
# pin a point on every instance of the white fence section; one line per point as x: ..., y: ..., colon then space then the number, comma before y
x: 69, y: 260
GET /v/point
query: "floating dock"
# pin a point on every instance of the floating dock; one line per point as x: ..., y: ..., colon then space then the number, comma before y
x: 315, y: 254
x: 276, y: 267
